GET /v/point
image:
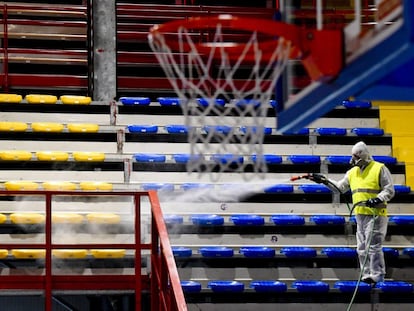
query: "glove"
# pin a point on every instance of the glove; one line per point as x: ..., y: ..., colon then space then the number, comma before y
x: 318, y: 178
x: 373, y: 202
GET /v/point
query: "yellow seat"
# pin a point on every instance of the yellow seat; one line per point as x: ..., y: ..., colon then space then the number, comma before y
x: 9, y: 126
x: 4, y: 253
x: 41, y: 99
x: 67, y: 218
x: 59, y: 185
x: 82, y: 127
x: 3, y: 218
x: 21, y: 185
x: 108, y: 253
x: 52, y: 156
x: 10, y: 98
x: 15, y: 155
x: 28, y: 253
x: 95, y: 185
x: 88, y: 156
x: 75, y: 99
x: 27, y: 218
x: 70, y: 253
x: 103, y: 218
x: 47, y: 127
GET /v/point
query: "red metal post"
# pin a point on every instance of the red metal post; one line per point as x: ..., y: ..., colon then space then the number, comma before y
x: 138, y: 280
x: 48, y: 258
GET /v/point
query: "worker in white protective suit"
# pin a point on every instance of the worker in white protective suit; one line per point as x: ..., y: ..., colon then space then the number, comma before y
x: 372, y: 187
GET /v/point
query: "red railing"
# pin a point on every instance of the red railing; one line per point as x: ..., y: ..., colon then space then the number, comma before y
x: 163, y: 281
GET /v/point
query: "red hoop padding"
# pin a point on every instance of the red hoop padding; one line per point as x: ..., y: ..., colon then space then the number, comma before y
x: 321, y: 51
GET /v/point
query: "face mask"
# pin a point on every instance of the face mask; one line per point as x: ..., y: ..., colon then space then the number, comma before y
x: 357, y: 161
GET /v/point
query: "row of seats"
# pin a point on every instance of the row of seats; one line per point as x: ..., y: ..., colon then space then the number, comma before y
x: 27, y: 218
x: 55, y: 127
x: 62, y: 253
x: 24, y: 155
x: 45, y: 99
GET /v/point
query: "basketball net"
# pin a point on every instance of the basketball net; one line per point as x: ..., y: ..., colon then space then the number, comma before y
x: 225, y: 97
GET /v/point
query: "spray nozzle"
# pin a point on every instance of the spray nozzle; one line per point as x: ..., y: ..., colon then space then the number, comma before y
x: 294, y: 178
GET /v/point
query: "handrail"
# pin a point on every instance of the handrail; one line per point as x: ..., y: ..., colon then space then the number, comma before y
x: 164, y: 275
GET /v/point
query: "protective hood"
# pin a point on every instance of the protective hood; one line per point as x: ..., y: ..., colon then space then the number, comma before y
x: 360, y: 154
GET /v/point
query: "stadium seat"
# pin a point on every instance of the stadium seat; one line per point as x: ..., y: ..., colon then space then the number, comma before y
x: 108, y: 253
x: 257, y: 252
x: 309, y: 286
x: 142, y: 128
x: 28, y: 253
x: 226, y: 286
x: 207, y: 219
x: 266, y: 286
x: 227, y: 158
x: 395, y: 287
x: 385, y: 159
x: 338, y: 159
x: 182, y: 252
x: 391, y: 252
x: 59, y: 185
x: 350, y: 104
x: 176, y: 129
x: 304, y: 159
x: 349, y: 286
x: 205, y: 102
x: 9, y: 126
x: 88, y: 156
x: 95, y: 185
x: 339, y: 252
x: 75, y: 100
x: 303, y: 131
x: 279, y: 189
x: 41, y: 99
x: 269, y: 158
x: 217, y: 129
x: 194, y: 186
x: 173, y: 219
x: 247, y: 220
x: 54, y: 127
x: 4, y: 253
x: 103, y: 218
x: 3, y: 218
x: 190, y: 286
x: 157, y: 186
x: 298, y: 252
x: 367, y: 131
x: 21, y: 185
x: 169, y: 101
x: 139, y: 101
x: 10, y: 98
x: 327, y: 219
x: 402, y: 188
x: 67, y: 218
x: 27, y: 218
x: 149, y: 157
x: 69, y: 253
x: 409, y: 251
x: 402, y: 219
x: 288, y: 220
x: 330, y: 131
x: 185, y: 157
x: 52, y: 155
x: 15, y: 155
x: 253, y: 130
x: 314, y: 188
x: 82, y: 127
x: 242, y: 103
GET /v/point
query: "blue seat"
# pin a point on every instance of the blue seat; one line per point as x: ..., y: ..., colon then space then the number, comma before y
x: 195, y: 186
x: 409, y: 251
x: 173, y: 219
x: 169, y: 101
x: 367, y: 131
x: 253, y: 130
x: 247, y: 220
x: 141, y: 101
x: 219, y: 129
x: 227, y: 158
x: 385, y: 159
x: 304, y: 159
x: 268, y: 158
x: 185, y: 157
x: 327, y: 219
x: 391, y: 252
x: 273, y: 103
x: 402, y: 219
x: 279, y: 189
x: 142, y: 128
x: 206, y: 101
x: 216, y: 251
x: 158, y: 186
x: 338, y: 159
x: 247, y: 102
x: 298, y: 252
x: 352, y: 219
x: 395, y: 287
x: 182, y: 252
x: 339, y: 252
x: 288, y: 220
x: 267, y: 286
x: 402, y: 189
x: 349, y: 286
x: 226, y: 286
x: 207, y: 219
x: 356, y: 104
x: 190, y: 286
x: 314, y: 188
x: 302, y: 131
x: 176, y: 129
x: 330, y: 131
x: 309, y: 286
x: 257, y: 252
x: 149, y: 157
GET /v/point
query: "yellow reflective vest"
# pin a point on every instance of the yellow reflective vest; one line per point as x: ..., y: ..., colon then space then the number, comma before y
x: 364, y: 186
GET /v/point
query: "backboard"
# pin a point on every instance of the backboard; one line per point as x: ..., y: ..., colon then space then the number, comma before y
x: 378, y: 65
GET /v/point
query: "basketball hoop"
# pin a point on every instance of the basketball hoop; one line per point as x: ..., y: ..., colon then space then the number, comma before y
x: 210, y: 60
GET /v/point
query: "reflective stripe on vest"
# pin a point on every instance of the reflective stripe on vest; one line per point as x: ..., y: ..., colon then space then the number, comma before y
x: 365, y: 186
